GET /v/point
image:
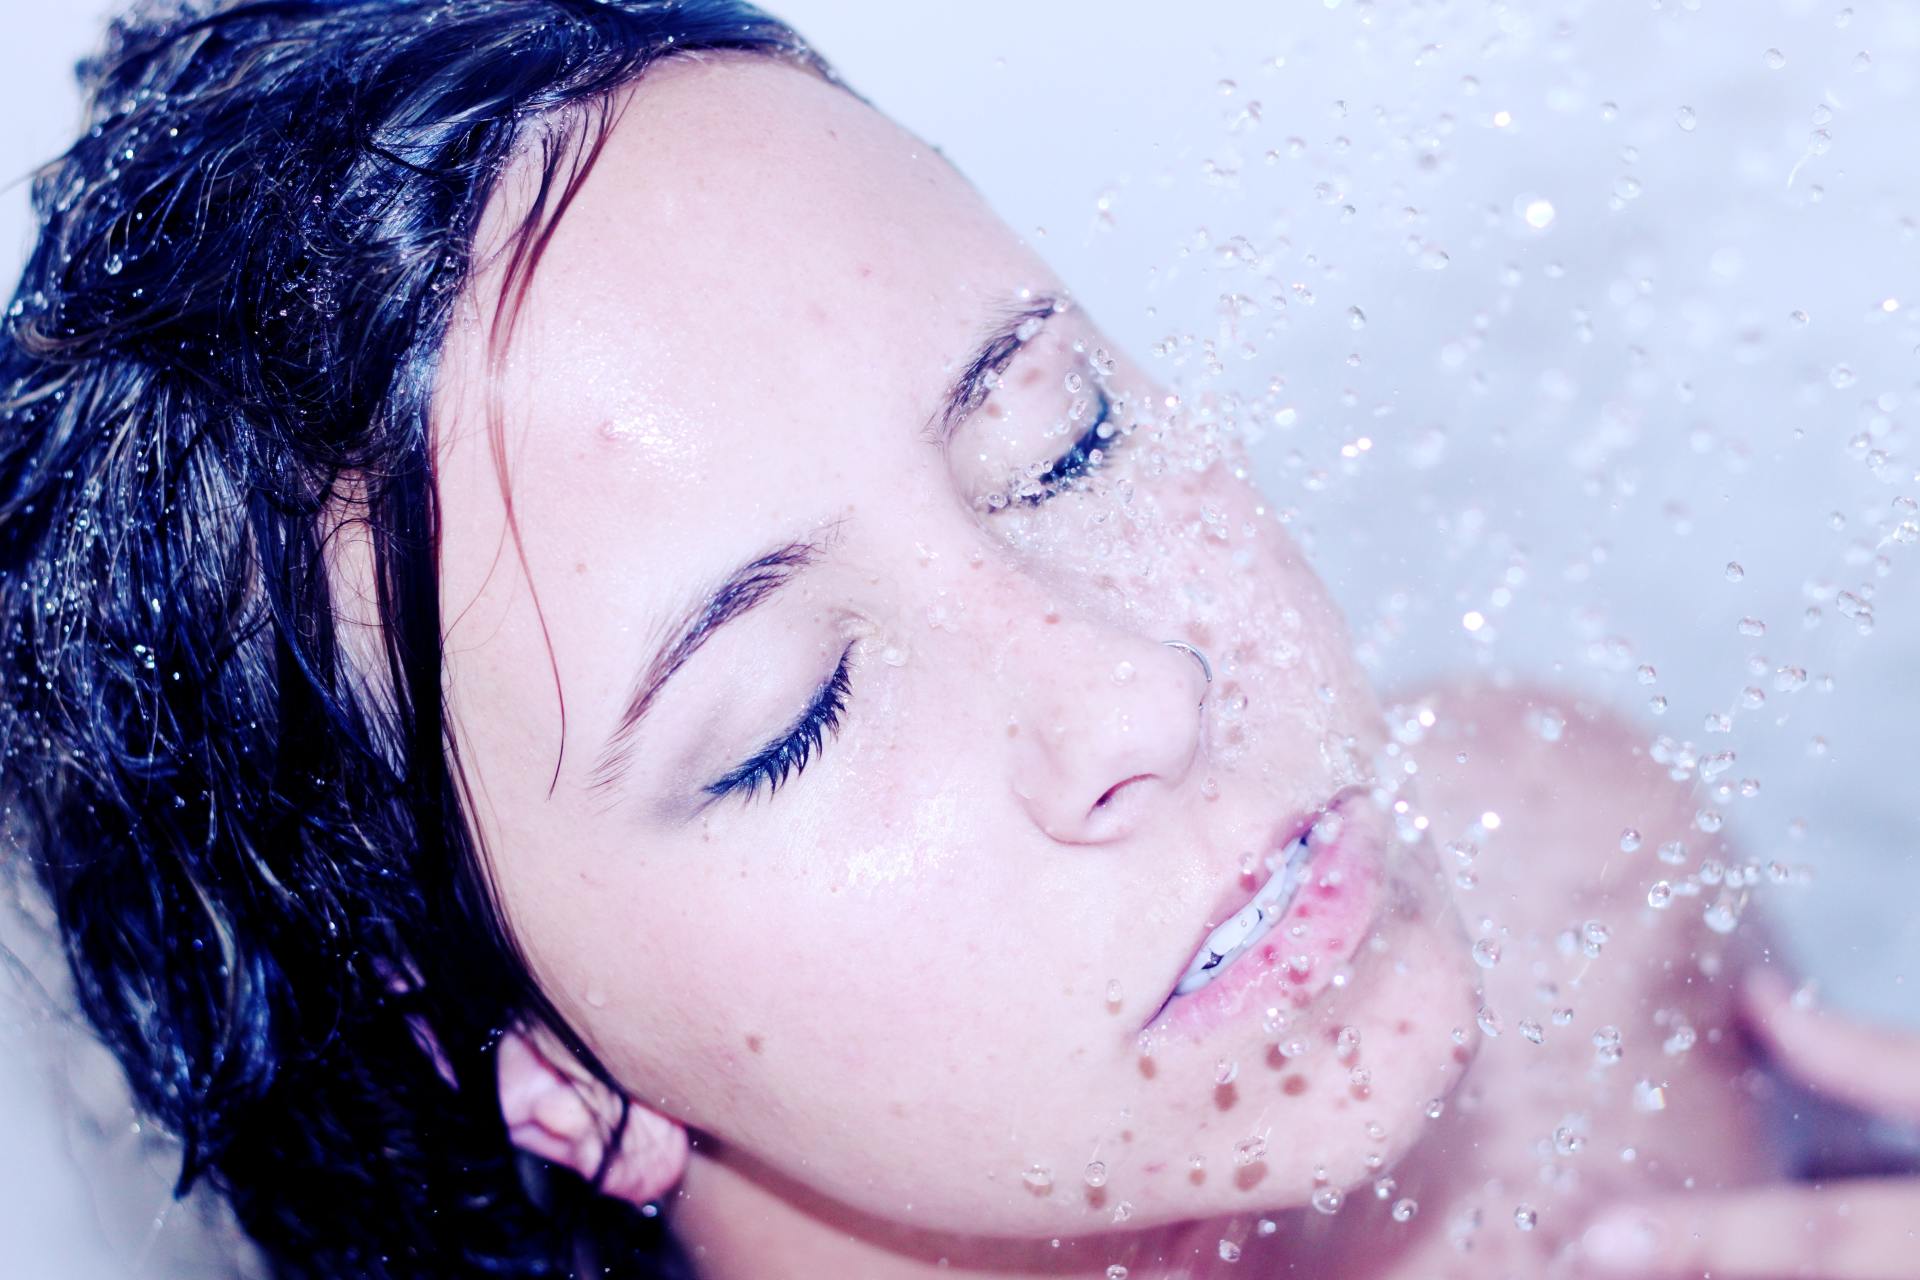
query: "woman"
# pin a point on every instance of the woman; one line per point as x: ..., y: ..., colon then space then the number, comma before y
x: 591, y: 632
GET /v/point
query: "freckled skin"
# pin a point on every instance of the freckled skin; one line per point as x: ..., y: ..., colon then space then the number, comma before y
x: 769, y: 286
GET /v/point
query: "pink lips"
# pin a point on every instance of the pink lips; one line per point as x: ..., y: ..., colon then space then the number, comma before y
x: 1330, y: 916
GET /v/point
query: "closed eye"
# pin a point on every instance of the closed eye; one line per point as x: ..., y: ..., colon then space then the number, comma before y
x: 787, y: 755
x: 1087, y: 455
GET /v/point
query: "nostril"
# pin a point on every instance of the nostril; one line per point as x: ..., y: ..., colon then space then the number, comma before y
x: 1106, y: 797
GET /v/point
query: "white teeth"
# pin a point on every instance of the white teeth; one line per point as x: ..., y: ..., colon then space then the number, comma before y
x: 1231, y: 940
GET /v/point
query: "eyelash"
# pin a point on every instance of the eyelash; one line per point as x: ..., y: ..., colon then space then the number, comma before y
x: 775, y: 764
x: 1077, y: 461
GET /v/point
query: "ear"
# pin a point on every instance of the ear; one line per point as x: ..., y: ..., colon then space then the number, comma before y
x: 556, y: 1110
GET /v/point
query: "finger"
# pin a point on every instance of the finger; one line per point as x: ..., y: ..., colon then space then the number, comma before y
x: 1874, y: 1068
x: 1860, y: 1229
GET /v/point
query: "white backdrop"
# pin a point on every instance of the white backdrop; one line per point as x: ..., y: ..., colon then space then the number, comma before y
x: 1638, y: 297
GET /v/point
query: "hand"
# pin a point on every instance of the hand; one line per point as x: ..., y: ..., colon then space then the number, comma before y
x: 1853, y: 1229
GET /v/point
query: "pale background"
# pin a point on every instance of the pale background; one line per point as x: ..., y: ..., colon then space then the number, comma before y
x: 1569, y: 429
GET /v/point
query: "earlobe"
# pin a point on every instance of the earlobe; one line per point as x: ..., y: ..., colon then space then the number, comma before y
x: 557, y: 1111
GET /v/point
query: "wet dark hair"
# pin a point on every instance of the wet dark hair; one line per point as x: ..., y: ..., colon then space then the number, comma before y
x: 220, y: 359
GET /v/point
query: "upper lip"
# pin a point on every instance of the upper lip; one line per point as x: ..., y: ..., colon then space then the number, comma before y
x: 1233, y: 892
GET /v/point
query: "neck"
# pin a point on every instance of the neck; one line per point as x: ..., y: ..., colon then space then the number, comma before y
x: 739, y: 1220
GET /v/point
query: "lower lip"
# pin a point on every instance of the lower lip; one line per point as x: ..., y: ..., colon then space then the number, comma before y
x: 1333, y: 912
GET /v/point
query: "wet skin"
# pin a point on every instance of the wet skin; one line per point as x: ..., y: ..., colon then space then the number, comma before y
x: 876, y: 990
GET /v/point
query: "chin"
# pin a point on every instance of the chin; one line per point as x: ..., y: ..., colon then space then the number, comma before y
x: 1344, y: 1088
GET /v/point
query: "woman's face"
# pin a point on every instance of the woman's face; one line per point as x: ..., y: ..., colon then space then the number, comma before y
x: 790, y: 425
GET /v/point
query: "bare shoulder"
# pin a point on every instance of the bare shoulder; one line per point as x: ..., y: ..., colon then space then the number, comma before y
x: 1607, y: 983
x: 1565, y: 776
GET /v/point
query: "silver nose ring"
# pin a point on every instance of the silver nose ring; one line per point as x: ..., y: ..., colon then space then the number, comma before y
x: 1206, y: 668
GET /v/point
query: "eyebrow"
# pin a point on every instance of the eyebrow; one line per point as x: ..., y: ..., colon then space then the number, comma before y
x: 741, y: 591
x: 1015, y: 328
x: 759, y: 579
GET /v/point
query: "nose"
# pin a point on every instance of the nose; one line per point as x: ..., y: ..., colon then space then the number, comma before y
x: 1109, y: 729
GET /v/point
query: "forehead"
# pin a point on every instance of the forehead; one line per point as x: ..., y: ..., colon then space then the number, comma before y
x: 753, y: 240
x: 737, y: 330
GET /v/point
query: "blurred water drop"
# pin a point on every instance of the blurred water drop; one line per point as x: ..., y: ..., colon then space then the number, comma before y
x: 1356, y: 318
x: 1404, y: 1209
x: 1734, y: 571
x: 1229, y: 1251
x: 1775, y: 59
x: 1686, y: 119
x: 1525, y: 1217
x: 1116, y: 1272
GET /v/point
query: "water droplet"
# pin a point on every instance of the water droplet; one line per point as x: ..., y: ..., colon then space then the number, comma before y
x: 1563, y: 1017
x: 1489, y: 1021
x: 1708, y: 820
x: 1436, y: 1107
x: 1721, y: 917
x: 1525, y: 1217
x: 1039, y: 1179
x: 1404, y: 1209
x: 1686, y: 119
x: 1486, y: 953
x: 1775, y: 59
x: 1122, y: 672
x: 1629, y: 840
x: 1113, y: 991
x: 1347, y: 1043
x: 1734, y: 571
x: 1123, y: 1211
x: 1229, y: 1251
x: 1533, y: 1031
x: 1116, y: 1272
x: 1752, y: 627
x: 1096, y: 1174
x: 1328, y: 1199
x: 1356, y: 318
x: 115, y: 264
x: 1249, y: 1151
x: 1567, y: 1141
x: 1606, y: 1045
x: 1660, y: 895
